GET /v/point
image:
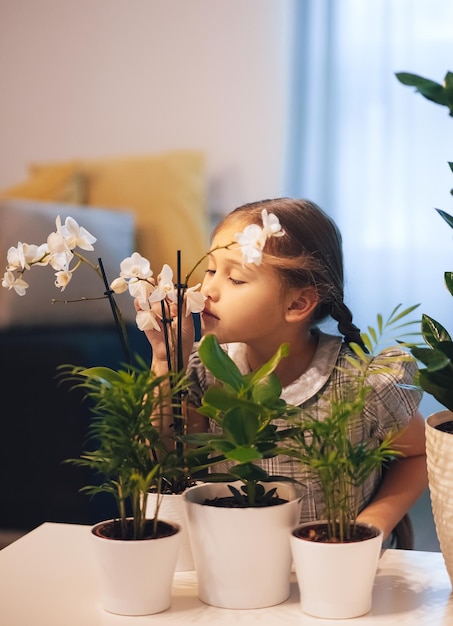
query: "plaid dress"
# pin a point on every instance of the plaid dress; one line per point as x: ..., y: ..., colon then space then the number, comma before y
x: 389, y: 406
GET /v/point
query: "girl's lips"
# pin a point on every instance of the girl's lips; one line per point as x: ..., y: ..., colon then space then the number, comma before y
x: 208, y: 313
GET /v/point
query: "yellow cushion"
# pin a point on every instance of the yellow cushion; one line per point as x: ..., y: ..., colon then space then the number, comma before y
x: 61, y: 183
x: 167, y: 193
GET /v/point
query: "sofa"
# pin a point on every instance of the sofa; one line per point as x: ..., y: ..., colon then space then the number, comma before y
x: 154, y: 204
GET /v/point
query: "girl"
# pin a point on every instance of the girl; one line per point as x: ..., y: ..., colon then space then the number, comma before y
x: 253, y: 309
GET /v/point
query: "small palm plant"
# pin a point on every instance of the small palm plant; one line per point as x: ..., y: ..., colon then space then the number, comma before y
x: 325, y: 446
x: 128, y: 451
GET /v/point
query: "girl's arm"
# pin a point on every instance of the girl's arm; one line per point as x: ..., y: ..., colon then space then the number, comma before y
x: 404, y: 481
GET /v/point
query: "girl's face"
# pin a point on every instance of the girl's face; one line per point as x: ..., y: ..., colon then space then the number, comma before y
x: 243, y: 304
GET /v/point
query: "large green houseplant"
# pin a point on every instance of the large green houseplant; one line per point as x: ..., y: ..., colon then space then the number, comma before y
x: 436, y: 378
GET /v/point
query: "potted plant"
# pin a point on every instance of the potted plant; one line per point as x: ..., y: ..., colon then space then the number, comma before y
x: 336, y: 556
x: 436, y: 377
x: 127, y: 452
x: 65, y: 250
x: 242, y: 511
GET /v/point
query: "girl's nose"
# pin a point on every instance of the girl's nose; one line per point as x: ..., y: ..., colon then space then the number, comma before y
x: 209, y: 288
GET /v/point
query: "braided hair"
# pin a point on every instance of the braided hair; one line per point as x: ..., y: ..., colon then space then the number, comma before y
x: 310, y: 254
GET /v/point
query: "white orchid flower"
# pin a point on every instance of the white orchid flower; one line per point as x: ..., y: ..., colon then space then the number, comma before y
x: 11, y: 282
x: 25, y: 255
x: 251, y: 244
x: 135, y: 266
x: 271, y: 225
x: 253, y: 238
x: 63, y: 278
x: 60, y: 254
x: 140, y: 289
x: 194, y: 300
x: 75, y: 235
x: 165, y: 287
x: 146, y: 319
x: 119, y: 285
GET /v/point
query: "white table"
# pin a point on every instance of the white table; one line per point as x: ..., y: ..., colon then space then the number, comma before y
x: 47, y: 578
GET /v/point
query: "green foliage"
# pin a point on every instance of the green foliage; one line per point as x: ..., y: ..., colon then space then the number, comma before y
x: 325, y: 445
x: 431, y: 90
x: 244, y: 407
x: 128, y: 450
x: 436, y: 378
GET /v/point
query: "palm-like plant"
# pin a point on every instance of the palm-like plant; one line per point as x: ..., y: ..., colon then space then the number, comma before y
x: 324, y: 445
x: 129, y: 452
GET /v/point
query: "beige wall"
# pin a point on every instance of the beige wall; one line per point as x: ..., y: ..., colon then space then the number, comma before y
x: 82, y: 78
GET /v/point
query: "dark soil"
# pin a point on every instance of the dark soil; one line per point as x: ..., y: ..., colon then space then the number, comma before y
x: 229, y: 502
x: 112, y: 530
x: 318, y: 533
x: 446, y: 427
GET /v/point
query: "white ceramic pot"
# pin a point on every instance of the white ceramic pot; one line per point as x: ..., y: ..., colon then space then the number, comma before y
x: 136, y: 576
x: 172, y: 509
x: 242, y: 555
x: 336, y: 579
x: 439, y: 459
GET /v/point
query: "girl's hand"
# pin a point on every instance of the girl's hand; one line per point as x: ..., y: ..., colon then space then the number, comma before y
x: 157, y: 337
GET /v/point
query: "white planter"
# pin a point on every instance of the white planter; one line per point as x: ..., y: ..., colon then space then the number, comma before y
x: 242, y: 555
x: 439, y: 458
x: 136, y: 576
x: 335, y: 579
x: 172, y: 509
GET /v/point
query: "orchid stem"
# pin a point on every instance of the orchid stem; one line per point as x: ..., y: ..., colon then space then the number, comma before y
x: 179, y: 356
x: 165, y: 321
x: 116, y: 315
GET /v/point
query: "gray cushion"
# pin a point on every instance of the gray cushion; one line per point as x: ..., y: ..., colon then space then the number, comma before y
x: 31, y: 222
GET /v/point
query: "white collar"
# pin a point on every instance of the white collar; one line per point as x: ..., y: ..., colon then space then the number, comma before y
x: 314, y: 377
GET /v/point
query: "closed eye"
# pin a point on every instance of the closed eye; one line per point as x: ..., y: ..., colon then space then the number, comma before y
x: 236, y: 282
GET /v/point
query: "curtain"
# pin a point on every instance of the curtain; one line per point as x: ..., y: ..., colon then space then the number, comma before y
x: 373, y: 153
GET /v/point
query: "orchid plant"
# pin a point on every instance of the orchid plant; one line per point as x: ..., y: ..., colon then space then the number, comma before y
x: 64, y: 250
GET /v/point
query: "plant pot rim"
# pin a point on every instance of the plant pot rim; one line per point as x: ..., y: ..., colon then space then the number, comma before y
x: 439, y: 417
x: 377, y: 532
x: 94, y: 527
x: 189, y: 495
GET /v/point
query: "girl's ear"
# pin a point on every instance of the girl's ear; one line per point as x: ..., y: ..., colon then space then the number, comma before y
x: 302, y: 303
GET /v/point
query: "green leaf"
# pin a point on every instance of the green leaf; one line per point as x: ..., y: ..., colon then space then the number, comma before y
x: 396, y: 314
x: 243, y: 454
x: 248, y: 472
x: 103, y: 373
x: 221, y: 398
x: 219, y: 363
x: 449, y: 281
x: 439, y: 386
x: 264, y: 371
x: 267, y: 391
x: 446, y: 216
x: 239, y: 428
x: 433, y: 359
x: 433, y: 332
x: 430, y: 89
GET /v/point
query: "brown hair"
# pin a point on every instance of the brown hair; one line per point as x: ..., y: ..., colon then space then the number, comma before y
x: 310, y: 254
